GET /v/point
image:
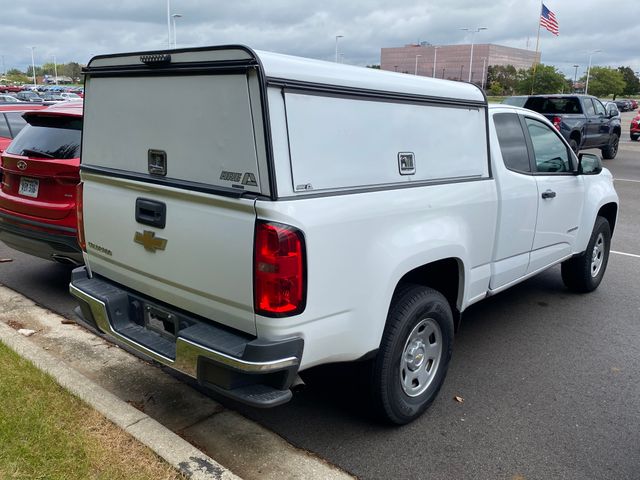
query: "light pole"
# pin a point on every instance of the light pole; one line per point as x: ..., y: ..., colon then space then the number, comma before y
x: 33, y: 67
x: 175, y: 34
x: 337, y: 37
x: 55, y: 69
x: 435, y: 57
x: 586, y: 86
x: 484, y: 65
x: 416, y: 70
x: 473, y: 32
x: 575, y: 76
x: 169, y: 24
x: 341, y: 57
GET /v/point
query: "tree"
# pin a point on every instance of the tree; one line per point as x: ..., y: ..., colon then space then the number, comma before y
x: 73, y: 70
x: 502, y: 79
x: 375, y: 67
x: 545, y: 79
x: 605, y: 81
x: 16, y: 76
x: 632, y: 82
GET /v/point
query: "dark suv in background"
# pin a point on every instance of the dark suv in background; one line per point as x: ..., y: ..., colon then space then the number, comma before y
x: 582, y: 119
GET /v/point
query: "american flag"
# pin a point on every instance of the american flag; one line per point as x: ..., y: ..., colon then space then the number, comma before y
x: 548, y: 20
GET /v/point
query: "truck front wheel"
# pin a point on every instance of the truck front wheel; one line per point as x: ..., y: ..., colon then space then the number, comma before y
x: 414, y: 354
x: 584, y: 273
x: 610, y: 151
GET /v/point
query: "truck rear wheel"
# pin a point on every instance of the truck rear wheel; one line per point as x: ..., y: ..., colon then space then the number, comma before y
x: 584, y: 273
x: 610, y: 151
x: 414, y: 354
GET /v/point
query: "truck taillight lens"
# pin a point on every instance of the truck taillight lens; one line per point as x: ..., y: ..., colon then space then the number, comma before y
x: 80, y: 217
x: 556, y: 122
x: 279, y: 270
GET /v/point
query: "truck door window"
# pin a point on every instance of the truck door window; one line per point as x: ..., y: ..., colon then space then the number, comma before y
x: 512, y: 142
x: 588, y: 106
x: 599, y: 108
x: 551, y: 154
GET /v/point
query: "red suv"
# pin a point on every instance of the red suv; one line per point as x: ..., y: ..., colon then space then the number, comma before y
x: 635, y: 127
x: 40, y: 174
x: 11, y: 121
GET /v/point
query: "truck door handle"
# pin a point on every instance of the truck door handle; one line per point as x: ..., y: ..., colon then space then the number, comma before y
x: 151, y: 212
x: 549, y: 194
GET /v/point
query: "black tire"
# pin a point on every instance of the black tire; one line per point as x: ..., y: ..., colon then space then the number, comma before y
x: 573, y: 143
x: 422, y: 315
x: 634, y: 138
x: 584, y: 273
x: 610, y: 151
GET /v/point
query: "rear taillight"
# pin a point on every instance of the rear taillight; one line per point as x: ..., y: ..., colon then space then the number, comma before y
x: 279, y: 270
x: 556, y: 122
x: 80, y: 217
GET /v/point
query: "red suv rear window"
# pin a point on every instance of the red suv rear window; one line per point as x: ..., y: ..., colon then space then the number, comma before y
x: 49, y: 137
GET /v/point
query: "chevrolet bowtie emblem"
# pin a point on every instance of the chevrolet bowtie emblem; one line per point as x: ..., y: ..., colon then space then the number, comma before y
x: 149, y: 241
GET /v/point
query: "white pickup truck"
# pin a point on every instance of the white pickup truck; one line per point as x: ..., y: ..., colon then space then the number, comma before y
x: 248, y: 215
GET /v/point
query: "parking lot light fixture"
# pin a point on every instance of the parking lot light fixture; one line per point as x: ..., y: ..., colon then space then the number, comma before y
x: 586, y: 85
x: 473, y: 32
x: 175, y: 33
x: 435, y: 57
x: 33, y: 66
x: 337, y: 37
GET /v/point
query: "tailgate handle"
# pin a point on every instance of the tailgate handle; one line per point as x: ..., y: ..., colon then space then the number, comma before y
x: 151, y: 212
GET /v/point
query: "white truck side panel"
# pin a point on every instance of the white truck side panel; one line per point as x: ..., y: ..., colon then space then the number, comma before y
x: 360, y: 245
x: 346, y: 142
x: 207, y: 265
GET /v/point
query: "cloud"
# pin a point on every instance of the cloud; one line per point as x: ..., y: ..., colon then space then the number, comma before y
x: 75, y: 30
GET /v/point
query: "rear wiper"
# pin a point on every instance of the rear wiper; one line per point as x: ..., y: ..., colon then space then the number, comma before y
x: 36, y: 153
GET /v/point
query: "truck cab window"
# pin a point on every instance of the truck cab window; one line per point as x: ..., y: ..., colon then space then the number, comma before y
x: 599, y: 108
x: 588, y: 106
x: 551, y: 154
x: 512, y: 142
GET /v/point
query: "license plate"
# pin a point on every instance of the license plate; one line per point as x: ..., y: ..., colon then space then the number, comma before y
x: 29, y: 187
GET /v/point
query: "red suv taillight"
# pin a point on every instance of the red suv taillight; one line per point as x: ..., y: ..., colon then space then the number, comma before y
x: 80, y: 217
x: 279, y: 270
x: 556, y: 122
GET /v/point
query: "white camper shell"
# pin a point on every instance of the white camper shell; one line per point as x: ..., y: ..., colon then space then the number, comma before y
x: 248, y: 215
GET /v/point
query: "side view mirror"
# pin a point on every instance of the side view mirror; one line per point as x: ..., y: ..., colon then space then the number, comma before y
x: 589, y: 164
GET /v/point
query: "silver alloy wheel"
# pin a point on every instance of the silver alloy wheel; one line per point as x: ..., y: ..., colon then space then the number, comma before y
x: 597, y: 256
x: 421, y: 357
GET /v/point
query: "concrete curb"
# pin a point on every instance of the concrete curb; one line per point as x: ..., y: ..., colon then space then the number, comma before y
x: 171, y: 447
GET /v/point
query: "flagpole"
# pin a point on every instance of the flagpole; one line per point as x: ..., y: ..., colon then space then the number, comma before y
x: 535, y: 60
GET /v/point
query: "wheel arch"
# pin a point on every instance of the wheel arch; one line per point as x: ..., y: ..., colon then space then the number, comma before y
x: 445, y: 275
x: 610, y: 212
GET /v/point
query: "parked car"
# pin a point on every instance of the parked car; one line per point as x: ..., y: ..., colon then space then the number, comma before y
x: 29, y: 96
x: 634, y: 129
x: 69, y: 96
x: 623, y: 105
x: 634, y: 104
x: 11, y: 121
x: 581, y: 119
x: 611, y: 109
x: 10, y: 88
x: 5, y: 98
x: 279, y: 220
x: 40, y: 175
x: 53, y: 97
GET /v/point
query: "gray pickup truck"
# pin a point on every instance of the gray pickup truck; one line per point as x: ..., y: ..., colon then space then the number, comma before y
x: 581, y: 119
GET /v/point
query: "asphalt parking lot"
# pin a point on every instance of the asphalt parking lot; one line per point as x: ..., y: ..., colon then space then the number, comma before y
x: 549, y: 378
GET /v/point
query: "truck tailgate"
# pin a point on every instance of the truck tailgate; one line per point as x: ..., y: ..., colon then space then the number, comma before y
x: 205, y: 264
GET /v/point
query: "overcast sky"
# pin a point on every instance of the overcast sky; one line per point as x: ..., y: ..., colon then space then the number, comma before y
x: 75, y: 30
